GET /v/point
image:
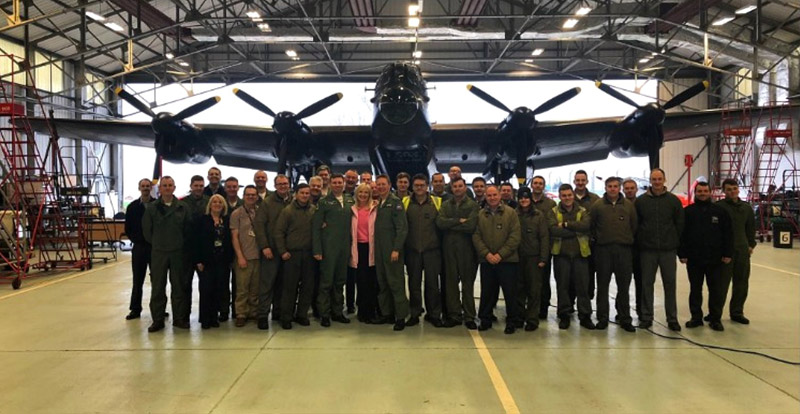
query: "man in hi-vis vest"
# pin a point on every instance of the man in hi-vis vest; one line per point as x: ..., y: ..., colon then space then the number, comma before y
x: 569, y: 233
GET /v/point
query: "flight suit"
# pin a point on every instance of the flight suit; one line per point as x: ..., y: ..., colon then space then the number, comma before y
x: 586, y: 202
x: 534, y: 248
x: 743, y: 224
x: 166, y: 229
x: 544, y: 205
x: 391, y: 228
x: 460, y: 263
x: 570, y: 250
x: 269, y: 286
x: 293, y: 235
x: 332, y: 239
x: 423, y: 252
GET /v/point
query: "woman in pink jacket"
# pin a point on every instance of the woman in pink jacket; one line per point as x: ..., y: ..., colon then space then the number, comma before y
x: 362, y: 253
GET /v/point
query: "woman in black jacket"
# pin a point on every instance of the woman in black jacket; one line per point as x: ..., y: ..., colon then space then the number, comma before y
x: 213, y: 254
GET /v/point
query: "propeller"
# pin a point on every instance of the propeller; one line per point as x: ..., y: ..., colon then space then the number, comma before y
x: 162, y: 119
x: 655, y: 142
x: 522, y: 150
x: 286, y: 123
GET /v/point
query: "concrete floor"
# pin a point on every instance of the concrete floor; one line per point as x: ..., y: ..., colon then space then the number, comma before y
x: 65, y: 347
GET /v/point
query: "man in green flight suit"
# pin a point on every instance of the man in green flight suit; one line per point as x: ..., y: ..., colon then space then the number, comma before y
x: 271, y: 269
x: 457, y: 219
x: 165, y: 225
x: 743, y: 224
x: 391, y: 228
x: 331, y: 247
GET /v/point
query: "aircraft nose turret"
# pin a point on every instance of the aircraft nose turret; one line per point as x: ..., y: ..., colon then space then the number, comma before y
x: 398, y: 106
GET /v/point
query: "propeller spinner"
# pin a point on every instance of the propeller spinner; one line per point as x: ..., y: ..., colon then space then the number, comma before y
x: 524, y: 120
x: 164, y: 120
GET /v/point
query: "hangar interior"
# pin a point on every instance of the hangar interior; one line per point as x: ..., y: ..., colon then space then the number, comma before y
x: 64, y: 59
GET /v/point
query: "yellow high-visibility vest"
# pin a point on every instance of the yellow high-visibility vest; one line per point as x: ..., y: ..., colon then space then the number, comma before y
x: 583, y: 240
x: 437, y: 201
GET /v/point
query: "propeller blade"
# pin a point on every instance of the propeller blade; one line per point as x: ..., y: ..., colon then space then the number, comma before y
x: 486, y: 97
x: 558, y: 100
x: 282, y: 155
x: 196, y: 108
x: 319, y: 105
x: 613, y: 92
x: 255, y: 103
x: 686, y: 95
x: 157, y: 169
x: 141, y: 106
x: 653, y: 152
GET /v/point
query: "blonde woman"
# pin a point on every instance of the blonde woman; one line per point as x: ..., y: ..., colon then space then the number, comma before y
x: 213, y: 254
x: 362, y: 253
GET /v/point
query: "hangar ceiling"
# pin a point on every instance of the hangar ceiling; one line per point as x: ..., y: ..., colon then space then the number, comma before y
x: 228, y: 41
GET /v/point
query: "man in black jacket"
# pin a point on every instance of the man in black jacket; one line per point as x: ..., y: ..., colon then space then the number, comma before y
x: 140, y: 255
x: 706, y: 243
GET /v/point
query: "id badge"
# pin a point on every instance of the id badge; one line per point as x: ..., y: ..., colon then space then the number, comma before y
x: 217, y: 243
x: 251, y: 233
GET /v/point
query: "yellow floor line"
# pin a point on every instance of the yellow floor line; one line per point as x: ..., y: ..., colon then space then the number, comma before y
x: 775, y: 269
x: 53, y: 282
x: 497, y: 380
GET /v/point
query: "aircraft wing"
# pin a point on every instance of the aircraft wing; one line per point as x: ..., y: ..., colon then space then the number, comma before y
x: 560, y: 143
x: 681, y: 125
x: 139, y: 134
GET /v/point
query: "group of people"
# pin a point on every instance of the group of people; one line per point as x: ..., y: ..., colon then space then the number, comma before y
x: 347, y: 242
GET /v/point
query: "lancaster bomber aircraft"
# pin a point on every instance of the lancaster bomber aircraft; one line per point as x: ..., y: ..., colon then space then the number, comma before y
x: 401, y: 138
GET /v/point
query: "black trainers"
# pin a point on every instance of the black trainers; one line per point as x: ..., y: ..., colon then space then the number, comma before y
x: 694, y: 323
x: 263, y: 323
x: 133, y: 315
x: 400, y: 324
x: 156, y: 326
x: 740, y: 319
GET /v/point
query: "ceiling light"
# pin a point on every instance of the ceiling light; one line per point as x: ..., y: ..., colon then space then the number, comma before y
x: 722, y: 20
x: 95, y: 16
x: 528, y: 60
x: 413, y: 22
x: 114, y: 26
x: 644, y: 60
x: 264, y: 27
x: 184, y: 64
x: 295, y: 57
x: 743, y: 10
x: 253, y: 14
x: 537, y: 52
x: 583, y: 11
x: 417, y: 54
x: 257, y: 20
x: 417, y: 62
x: 291, y: 53
x: 169, y: 56
x: 413, y: 9
x: 570, y: 23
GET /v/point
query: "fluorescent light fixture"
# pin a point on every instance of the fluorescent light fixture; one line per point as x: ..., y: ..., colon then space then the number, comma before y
x: 253, y: 14
x: 644, y: 60
x: 570, y: 23
x: 653, y: 54
x: 169, y: 56
x: 264, y: 27
x: 583, y: 11
x: 743, y: 10
x: 291, y: 53
x: 722, y: 20
x: 113, y: 26
x: 537, y: 52
x: 413, y: 22
x: 184, y: 64
x: 528, y: 60
x: 295, y: 57
x: 417, y: 62
x: 417, y: 54
x: 257, y: 20
x: 413, y: 9
x: 94, y: 16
